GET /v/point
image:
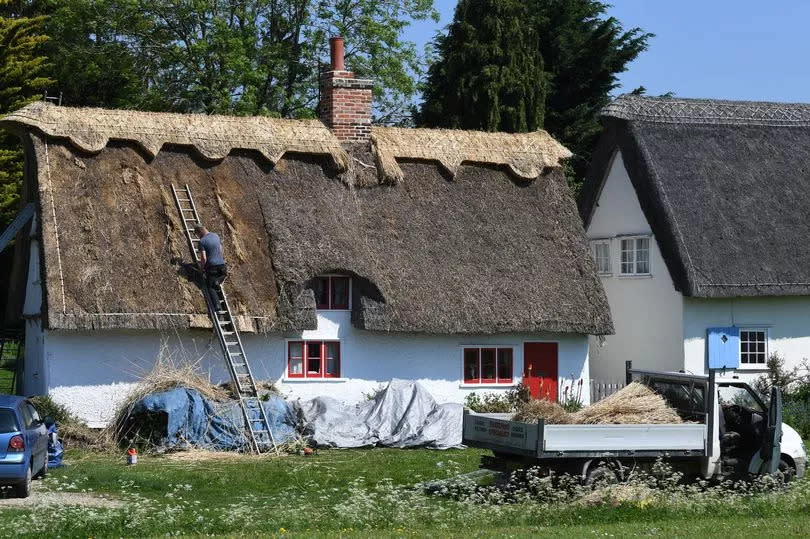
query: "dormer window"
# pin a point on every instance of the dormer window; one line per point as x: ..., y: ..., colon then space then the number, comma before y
x: 332, y: 292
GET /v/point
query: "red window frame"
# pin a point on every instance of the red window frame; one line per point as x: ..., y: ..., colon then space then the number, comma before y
x: 473, y: 372
x: 331, y: 304
x: 321, y: 358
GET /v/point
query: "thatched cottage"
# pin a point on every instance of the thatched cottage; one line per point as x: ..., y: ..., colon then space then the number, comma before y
x: 357, y: 254
x: 697, y: 214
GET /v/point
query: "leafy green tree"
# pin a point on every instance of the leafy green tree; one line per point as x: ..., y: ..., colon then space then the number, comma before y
x: 228, y: 56
x: 21, y: 81
x: 490, y: 74
x: 581, y: 51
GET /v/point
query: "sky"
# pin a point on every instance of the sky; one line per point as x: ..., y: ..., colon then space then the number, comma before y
x: 723, y: 49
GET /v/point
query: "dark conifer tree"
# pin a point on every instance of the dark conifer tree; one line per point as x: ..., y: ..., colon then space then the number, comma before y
x: 574, y: 69
x: 490, y: 73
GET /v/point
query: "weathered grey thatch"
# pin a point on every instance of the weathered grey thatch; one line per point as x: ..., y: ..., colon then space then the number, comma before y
x: 725, y: 186
x: 483, y: 253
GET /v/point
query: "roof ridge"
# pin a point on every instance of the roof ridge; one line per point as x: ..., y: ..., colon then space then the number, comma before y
x: 677, y: 110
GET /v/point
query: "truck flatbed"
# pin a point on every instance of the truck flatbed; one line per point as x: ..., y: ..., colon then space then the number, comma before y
x: 539, y: 440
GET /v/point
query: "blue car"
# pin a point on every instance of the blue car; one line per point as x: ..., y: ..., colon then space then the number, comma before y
x: 23, y: 444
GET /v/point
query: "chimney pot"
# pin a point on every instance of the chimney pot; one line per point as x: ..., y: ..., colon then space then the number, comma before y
x: 336, y: 53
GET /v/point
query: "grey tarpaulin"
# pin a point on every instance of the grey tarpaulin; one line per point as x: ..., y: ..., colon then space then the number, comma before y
x: 404, y: 414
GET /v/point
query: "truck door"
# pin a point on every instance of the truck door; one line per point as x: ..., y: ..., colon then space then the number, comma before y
x: 772, y: 442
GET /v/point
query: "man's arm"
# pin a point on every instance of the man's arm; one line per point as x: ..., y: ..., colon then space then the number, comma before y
x: 203, y: 258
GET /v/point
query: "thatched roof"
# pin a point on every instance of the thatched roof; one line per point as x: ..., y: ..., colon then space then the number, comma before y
x: 725, y: 186
x: 470, y: 249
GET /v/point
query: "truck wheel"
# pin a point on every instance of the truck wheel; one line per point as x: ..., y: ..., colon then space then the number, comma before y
x: 788, y: 472
x: 23, y: 490
x: 601, y: 474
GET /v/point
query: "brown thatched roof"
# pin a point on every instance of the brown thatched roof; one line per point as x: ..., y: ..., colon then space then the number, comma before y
x: 725, y: 186
x: 480, y: 251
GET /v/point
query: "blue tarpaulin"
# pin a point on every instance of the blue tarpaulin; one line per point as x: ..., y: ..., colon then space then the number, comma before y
x: 54, y: 448
x: 193, y: 420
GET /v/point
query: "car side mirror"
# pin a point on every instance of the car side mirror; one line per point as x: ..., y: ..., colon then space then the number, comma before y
x: 49, y: 421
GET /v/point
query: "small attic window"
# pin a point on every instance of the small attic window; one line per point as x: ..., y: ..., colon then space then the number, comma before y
x: 635, y: 256
x: 332, y: 292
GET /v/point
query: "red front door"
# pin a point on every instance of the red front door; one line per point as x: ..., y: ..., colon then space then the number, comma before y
x: 540, y: 369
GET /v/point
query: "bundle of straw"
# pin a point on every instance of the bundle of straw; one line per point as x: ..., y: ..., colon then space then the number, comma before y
x: 634, y: 404
x: 536, y: 409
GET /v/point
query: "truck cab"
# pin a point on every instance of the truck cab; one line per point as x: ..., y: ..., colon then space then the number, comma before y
x: 747, y: 434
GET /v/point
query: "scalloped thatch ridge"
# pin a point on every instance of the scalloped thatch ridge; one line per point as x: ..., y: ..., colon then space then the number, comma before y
x: 213, y: 137
x: 526, y: 155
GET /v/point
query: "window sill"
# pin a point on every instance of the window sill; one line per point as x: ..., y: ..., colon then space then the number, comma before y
x: 488, y: 385
x: 313, y: 379
x: 753, y: 368
x: 635, y: 276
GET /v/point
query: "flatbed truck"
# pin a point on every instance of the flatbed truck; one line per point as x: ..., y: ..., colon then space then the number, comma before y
x: 728, y: 430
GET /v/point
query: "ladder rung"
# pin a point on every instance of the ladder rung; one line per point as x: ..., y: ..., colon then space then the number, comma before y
x: 184, y: 199
x: 240, y: 364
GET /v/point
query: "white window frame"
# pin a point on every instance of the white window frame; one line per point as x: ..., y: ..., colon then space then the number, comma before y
x: 755, y: 366
x: 594, y: 244
x: 619, y: 251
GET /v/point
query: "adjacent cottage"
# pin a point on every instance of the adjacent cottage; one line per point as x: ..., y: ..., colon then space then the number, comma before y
x: 357, y: 254
x: 697, y: 215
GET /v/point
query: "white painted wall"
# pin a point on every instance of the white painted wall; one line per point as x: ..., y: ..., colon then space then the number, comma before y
x: 787, y: 320
x: 33, y: 375
x: 91, y: 372
x: 647, y: 311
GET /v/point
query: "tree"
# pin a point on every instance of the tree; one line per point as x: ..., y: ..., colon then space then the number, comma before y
x: 584, y: 52
x: 228, y: 56
x: 21, y: 81
x: 490, y: 76
x: 581, y: 51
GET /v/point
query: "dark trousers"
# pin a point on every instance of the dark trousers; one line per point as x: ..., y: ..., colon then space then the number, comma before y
x: 214, y: 275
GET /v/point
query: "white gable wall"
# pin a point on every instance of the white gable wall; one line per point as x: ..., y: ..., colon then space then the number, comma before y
x: 786, y: 319
x: 647, y: 311
x: 91, y: 372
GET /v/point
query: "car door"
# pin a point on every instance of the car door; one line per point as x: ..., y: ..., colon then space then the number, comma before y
x: 39, y: 434
x: 27, y: 433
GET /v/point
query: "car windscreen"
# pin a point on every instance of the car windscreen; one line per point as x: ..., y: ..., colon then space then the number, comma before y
x: 8, y: 423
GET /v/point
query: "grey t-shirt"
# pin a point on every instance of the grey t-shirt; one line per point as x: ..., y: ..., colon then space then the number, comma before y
x: 213, y: 249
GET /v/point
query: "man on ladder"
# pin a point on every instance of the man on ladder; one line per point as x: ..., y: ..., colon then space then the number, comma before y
x: 212, y: 263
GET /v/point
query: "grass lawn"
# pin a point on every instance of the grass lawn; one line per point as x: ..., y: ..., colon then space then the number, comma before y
x: 6, y: 379
x: 354, y: 493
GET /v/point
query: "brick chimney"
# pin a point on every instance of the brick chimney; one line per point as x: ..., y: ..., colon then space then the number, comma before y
x: 345, y: 101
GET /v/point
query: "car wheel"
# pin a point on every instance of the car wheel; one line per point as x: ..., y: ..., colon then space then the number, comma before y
x: 44, y: 471
x: 23, y: 490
